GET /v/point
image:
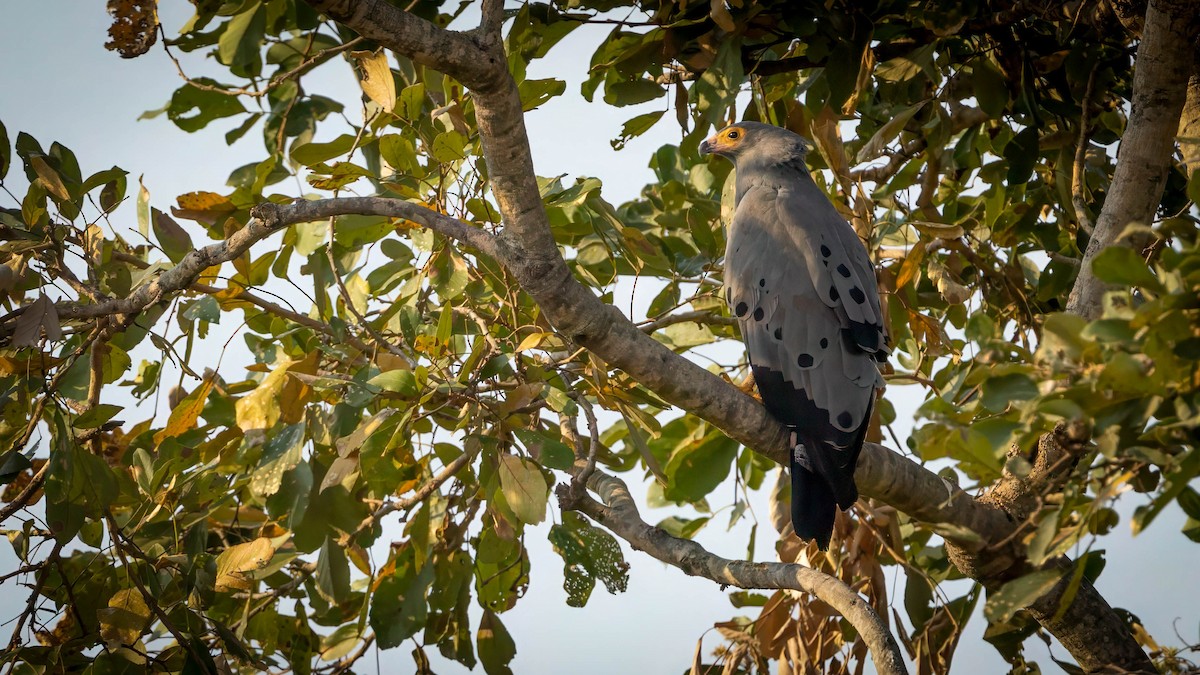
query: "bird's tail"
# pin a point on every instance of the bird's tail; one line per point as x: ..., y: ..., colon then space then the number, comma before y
x: 813, y: 505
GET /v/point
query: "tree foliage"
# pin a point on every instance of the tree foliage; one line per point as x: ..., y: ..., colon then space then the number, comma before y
x: 971, y: 145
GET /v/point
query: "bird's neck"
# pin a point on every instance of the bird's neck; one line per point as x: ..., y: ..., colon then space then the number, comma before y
x: 772, y: 176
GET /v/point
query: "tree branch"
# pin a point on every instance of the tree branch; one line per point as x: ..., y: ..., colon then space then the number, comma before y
x: 1160, y: 83
x: 1189, y: 123
x: 619, y: 513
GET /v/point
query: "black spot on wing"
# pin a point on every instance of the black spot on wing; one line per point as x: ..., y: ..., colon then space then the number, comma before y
x: 741, y: 309
x: 825, y: 251
x: 834, y: 452
x: 804, y: 360
x: 860, y: 337
x: 824, y: 343
x: 843, y: 270
x: 762, y: 282
x: 844, y: 418
x: 857, y: 294
x: 758, y: 314
x: 833, y: 294
x: 778, y: 333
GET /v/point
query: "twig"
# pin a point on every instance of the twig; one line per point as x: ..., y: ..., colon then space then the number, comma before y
x: 700, y: 317
x: 119, y: 544
x: 1081, y: 146
x: 419, y: 495
x: 31, y: 603
x: 316, y: 59
x: 619, y: 513
x: 580, y: 480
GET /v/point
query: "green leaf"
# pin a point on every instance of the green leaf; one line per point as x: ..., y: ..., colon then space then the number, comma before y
x: 412, y: 98
x: 205, y: 309
x: 999, y: 392
x: 1022, y: 155
x: 524, y: 488
x: 399, y: 152
x: 311, y: 154
x: 281, y: 453
x: 448, y: 147
x: 588, y: 554
x: 239, y: 45
x: 96, y: 416
x: 1123, y: 266
x: 496, y: 646
x: 402, y: 382
x: 1018, y: 594
x: 173, y: 239
x: 990, y: 87
x: 886, y: 133
x: 5, y: 151
x: 398, y: 606
x: 549, y: 452
x: 682, y: 528
x: 536, y: 92
x: 698, y: 464
x: 908, y: 66
x: 1189, y: 501
x: 333, y: 572
x: 636, y: 126
x: 191, y: 109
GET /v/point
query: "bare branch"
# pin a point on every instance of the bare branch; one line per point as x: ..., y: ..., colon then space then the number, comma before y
x: 619, y: 513
x: 1077, y: 196
x: 419, y: 495
x: 699, y: 316
x: 456, y: 54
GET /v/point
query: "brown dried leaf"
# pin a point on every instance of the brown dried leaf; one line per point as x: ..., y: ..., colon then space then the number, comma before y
x: 40, y: 315
x: 134, y: 28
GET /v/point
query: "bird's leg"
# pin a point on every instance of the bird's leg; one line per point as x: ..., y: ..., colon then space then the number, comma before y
x: 800, y: 452
x: 748, y: 387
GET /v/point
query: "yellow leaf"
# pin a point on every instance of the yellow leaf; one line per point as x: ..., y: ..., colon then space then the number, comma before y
x: 377, y: 81
x: 203, y: 207
x: 184, y: 416
x: 122, y: 622
x: 531, y: 341
x: 49, y: 178
x: 236, y: 562
x: 271, y: 400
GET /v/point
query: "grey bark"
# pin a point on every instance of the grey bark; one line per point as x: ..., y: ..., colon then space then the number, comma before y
x: 619, y: 513
x: 1163, y: 66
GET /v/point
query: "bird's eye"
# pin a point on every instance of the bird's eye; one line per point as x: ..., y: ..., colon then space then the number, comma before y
x: 733, y: 135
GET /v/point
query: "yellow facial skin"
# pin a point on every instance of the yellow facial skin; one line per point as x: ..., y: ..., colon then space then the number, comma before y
x: 724, y: 140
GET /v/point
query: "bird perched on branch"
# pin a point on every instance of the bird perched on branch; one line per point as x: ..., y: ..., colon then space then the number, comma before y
x: 803, y: 290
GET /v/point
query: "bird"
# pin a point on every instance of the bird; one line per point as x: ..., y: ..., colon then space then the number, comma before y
x: 803, y: 290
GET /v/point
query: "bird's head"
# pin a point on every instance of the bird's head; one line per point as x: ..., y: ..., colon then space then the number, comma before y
x: 746, y: 142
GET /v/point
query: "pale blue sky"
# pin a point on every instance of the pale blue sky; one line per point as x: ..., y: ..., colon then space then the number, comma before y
x: 58, y: 83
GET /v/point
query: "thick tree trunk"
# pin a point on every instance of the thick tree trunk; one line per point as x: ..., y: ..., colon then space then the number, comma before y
x: 1160, y: 85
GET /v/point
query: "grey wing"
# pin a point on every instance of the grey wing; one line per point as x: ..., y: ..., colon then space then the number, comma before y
x: 839, y: 265
x: 778, y: 290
